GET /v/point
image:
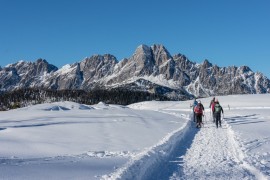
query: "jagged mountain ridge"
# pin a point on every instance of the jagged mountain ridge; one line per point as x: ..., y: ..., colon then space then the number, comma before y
x: 151, y: 69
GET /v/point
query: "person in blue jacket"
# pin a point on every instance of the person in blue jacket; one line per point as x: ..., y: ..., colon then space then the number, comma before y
x: 195, y: 102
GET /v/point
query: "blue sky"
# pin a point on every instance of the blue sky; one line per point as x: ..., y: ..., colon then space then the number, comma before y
x: 226, y: 32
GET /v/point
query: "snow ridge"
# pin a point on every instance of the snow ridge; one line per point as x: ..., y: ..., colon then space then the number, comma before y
x: 149, y: 162
x: 242, y: 156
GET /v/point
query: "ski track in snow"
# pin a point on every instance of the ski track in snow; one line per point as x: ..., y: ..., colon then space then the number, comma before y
x: 205, y: 153
x: 214, y: 155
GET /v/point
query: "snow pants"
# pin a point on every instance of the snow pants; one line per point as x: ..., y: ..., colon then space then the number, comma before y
x: 199, y: 120
x: 218, y: 119
x: 194, y: 117
x: 213, y: 117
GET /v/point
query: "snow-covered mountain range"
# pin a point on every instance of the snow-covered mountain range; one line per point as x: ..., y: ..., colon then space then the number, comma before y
x: 151, y: 69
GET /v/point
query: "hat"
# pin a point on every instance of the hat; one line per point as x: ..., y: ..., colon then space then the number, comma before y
x: 199, y: 101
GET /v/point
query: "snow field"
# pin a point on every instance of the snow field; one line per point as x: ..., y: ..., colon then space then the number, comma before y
x: 147, y: 140
x: 90, y: 142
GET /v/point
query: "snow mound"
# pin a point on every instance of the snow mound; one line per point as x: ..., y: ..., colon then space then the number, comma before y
x: 118, y: 106
x: 72, y: 105
x: 109, y: 154
x: 84, y: 107
x: 57, y: 108
x: 101, y: 105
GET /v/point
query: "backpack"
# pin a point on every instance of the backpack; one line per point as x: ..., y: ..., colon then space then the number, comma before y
x: 217, y: 108
x: 198, y: 109
x: 213, y: 106
x: 195, y: 103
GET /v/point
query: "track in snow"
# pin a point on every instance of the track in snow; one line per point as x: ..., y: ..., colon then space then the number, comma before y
x: 214, y: 154
x: 191, y: 153
x: 206, y: 153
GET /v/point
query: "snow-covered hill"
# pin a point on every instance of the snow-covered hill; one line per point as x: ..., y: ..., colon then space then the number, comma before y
x: 173, y: 76
x: 148, y: 140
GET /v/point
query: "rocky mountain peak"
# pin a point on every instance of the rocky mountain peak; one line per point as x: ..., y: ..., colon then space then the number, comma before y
x: 42, y: 66
x: 40, y: 60
x: 99, y: 58
x: 206, y: 64
x: 160, y: 53
x: 244, y: 69
x: 110, y: 59
x: 180, y: 57
x: 143, y: 50
x: 141, y: 62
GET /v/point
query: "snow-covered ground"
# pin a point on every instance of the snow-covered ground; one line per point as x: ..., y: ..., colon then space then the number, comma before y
x: 148, y: 140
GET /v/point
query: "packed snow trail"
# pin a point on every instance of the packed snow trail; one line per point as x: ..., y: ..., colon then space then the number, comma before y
x: 214, y: 154
x: 191, y: 153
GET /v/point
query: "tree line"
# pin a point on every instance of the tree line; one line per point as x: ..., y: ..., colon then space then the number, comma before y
x: 25, y: 97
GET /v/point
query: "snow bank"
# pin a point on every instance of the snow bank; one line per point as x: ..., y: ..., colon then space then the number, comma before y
x: 145, y: 164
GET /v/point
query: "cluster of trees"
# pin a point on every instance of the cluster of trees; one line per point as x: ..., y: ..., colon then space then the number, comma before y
x: 26, y: 97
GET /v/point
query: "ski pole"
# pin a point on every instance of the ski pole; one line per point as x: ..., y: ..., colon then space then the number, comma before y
x: 191, y: 113
x: 205, y: 118
x: 211, y: 115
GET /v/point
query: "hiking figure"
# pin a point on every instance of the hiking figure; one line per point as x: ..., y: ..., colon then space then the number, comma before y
x: 217, y: 111
x: 212, y: 107
x: 193, y: 106
x: 198, y: 110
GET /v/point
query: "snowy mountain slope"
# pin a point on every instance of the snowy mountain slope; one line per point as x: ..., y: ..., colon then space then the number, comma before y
x: 147, y: 140
x: 154, y: 64
x: 25, y: 74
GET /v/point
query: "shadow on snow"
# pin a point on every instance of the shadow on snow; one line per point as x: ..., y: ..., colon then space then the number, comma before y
x: 173, y: 164
x: 242, y: 120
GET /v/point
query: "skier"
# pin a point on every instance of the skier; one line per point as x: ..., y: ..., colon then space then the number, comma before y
x: 217, y: 111
x: 212, y: 106
x: 193, y: 106
x: 199, y: 109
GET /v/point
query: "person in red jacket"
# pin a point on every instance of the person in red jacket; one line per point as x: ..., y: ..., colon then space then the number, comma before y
x: 212, y: 106
x: 199, y: 109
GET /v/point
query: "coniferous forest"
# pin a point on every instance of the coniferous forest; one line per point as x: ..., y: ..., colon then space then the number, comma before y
x: 25, y: 97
